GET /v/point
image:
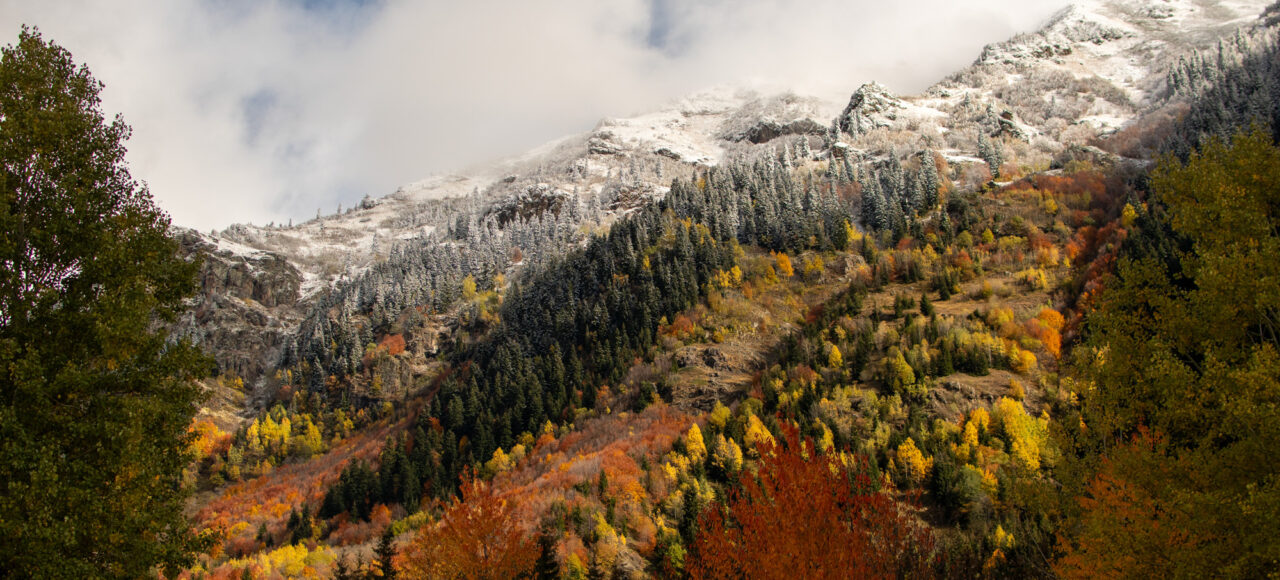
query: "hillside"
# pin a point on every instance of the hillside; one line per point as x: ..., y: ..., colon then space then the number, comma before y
x: 1092, y: 69
x: 608, y: 345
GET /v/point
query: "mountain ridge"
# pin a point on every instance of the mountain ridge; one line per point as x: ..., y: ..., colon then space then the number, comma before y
x: 1091, y: 69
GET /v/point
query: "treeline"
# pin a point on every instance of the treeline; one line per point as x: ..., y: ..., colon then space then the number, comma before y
x: 423, y: 276
x: 1230, y: 88
x: 576, y: 326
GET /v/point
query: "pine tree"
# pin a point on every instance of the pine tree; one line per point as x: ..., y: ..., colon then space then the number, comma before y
x: 546, y: 568
x: 929, y: 179
x: 95, y: 401
x: 386, y: 552
x: 990, y: 152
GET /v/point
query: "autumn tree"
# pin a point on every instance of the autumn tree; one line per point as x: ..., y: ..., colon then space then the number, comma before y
x: 834, y: 359
x: 95, y: 400
x: 695, y: 446
x: 476, y: 537
x: 1174, y: 447
x: 915, y: 467
x: 809, y: 515
x: 784, y: 266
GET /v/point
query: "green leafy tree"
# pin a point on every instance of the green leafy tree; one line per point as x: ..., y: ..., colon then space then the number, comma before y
x: 1175, y: 448
x: 95, y: 401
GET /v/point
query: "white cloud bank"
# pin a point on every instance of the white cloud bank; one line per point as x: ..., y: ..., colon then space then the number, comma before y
x: 265, y: 110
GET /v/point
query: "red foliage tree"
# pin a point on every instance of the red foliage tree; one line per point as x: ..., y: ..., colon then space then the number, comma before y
x: 809, y: 516
x: 393, y: 343
x: 477, y: 537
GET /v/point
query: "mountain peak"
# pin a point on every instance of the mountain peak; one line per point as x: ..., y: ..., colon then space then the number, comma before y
x: 1124, y: 42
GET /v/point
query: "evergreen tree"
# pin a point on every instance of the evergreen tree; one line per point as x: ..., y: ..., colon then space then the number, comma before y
x: 990, y: 151
x: 386, y: 552
x: 929, y: 179
x: 850, y: 174
x: 95, y: 401
x: 546, y: 568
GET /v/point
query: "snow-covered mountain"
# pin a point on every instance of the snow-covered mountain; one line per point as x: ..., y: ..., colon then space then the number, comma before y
x: 1091, y: 69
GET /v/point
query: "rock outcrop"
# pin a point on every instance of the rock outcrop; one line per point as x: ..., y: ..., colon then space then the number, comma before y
x: 871, y: 106
x: 247, y: 306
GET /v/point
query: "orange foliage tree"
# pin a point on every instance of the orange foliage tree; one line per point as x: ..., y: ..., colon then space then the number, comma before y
x: 810, y: 516
x: 1129, y: 526
x: 476, y: 537
x: 393, y: 343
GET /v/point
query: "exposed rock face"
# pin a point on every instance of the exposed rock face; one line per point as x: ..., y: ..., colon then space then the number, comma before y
x: 533, y: 200
x: 434, y: 333
x: 767, y: 118
x: 714, y: 358
x: 715, y: 373
x: 1008, y: 125
x: 871, y: 106
x: 604, y: 142
x: 1063, y: 35
x: 625, y: 196
x: 247, y: 306
x: 768, y: 130
x: 669, y: 154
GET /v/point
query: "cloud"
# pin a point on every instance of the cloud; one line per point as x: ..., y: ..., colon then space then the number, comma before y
x: 258, y: 111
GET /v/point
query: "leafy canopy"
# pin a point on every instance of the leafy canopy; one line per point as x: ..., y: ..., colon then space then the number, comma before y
x: 1179, y: 424
x: 95, y: 402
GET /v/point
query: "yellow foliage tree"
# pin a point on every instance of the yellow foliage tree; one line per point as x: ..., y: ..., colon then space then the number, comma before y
x: 719, y: 416
x: 834, y: 359
x: 814, y: 268
x: 1022, y: 361
x: 898, y: 373
x: 254, y: 438
x: 912, y: 462
x: 757, y: 435
x: 695, y: 445
x: 852, y: 232
x: 499, y: 463
x: 726, y: 455
x: 968, y: 441
x: 784, y: 265
x: 980, y: 419
x: 1016, y: 391
x: 469, y: 288
x: 1128, y: 215
x: 828, y: 440
x: 1026, y: 434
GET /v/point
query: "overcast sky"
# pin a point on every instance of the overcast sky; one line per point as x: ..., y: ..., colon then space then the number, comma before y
x: 266, y: 110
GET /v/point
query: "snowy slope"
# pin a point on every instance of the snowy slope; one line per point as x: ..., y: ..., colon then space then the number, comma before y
x: 1092, y: 68
x: 1127, y: 44
x: 699, y: 130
